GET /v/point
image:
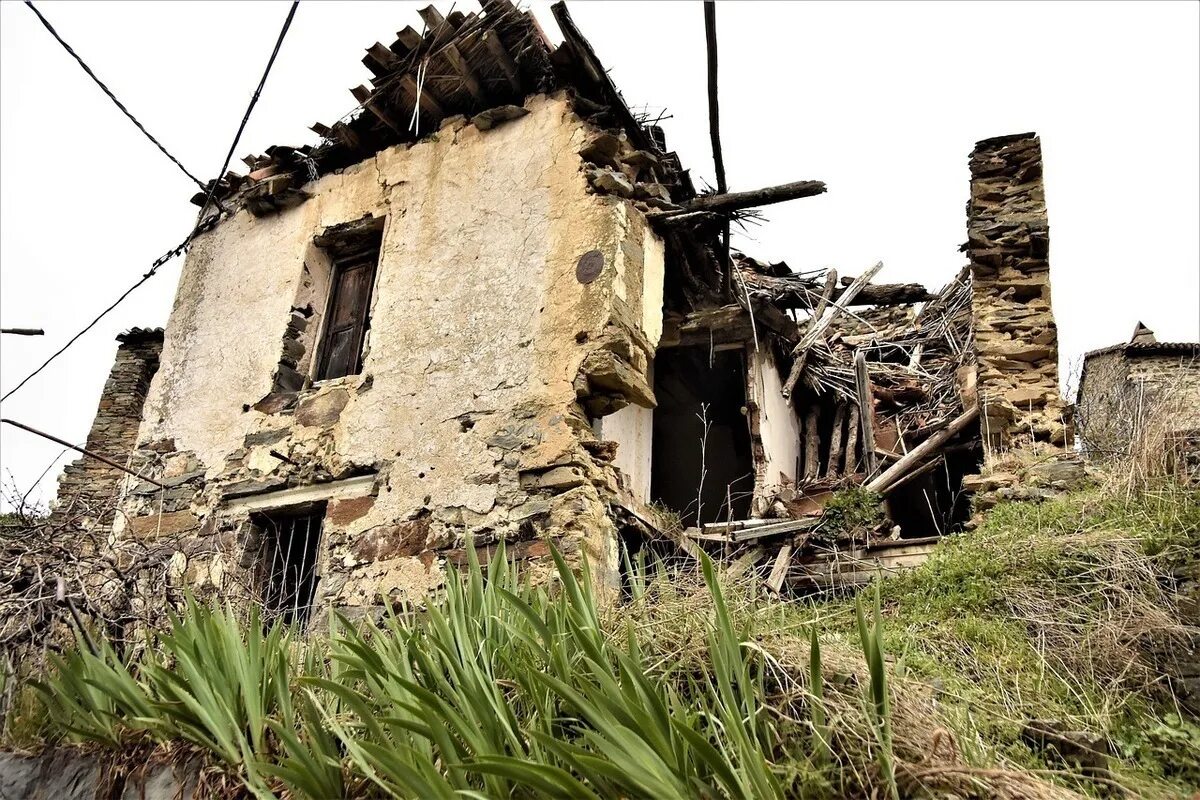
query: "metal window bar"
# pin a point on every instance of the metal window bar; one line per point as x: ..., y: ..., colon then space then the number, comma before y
x: 289, y: 560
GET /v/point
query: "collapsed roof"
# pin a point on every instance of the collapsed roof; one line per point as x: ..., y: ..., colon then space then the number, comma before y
x: 844, y: 343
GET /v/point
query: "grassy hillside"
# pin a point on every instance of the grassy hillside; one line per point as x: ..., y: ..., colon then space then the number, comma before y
x: 1062, y: 613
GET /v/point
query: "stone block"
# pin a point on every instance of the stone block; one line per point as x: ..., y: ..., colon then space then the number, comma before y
x: 161, y: 525
x: 323, y: 410
x: 342, y: 512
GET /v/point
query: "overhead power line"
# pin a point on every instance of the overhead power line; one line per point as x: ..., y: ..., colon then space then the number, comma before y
x: 204, y: 223
x: 111, y: 96
x: 287, y: 23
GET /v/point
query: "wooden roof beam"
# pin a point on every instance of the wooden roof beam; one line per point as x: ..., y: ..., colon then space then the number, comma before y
x: 725, y: 202
x: 365, y: 98
x: 467, y: 74
x: 491, y: 40
x: 409, y: 38
x: 436, y: 25
x: 429, y: 104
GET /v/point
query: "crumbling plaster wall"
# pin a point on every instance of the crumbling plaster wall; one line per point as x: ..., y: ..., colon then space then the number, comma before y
x: 486, y: 335
x: 778, y: 429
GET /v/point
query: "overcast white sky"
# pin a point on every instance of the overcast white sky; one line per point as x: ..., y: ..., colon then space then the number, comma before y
x: 882, y: 101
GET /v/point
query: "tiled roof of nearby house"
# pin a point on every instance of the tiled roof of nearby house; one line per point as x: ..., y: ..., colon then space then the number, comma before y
x: 1138, y: 349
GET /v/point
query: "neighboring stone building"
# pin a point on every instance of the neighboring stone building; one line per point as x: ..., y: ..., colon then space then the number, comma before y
x: 492, y: 307
x: 1126, y: 387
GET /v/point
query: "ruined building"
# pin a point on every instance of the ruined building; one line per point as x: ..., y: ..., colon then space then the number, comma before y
x: 491, y: 306
x: 1125, y: 387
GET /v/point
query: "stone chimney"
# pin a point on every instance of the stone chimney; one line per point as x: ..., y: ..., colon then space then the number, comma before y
x: 87, y: 488
x: 1008, y: 242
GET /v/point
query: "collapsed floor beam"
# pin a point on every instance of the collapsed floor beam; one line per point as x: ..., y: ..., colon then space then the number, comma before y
x: 725, y: 202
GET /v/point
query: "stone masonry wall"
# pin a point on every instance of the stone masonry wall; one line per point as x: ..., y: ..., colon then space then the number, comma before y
x: 512, y: 304
x: 1016, y: 338
x: 1106, y: 404
x: 87, y: 488
x: 1126, y: 389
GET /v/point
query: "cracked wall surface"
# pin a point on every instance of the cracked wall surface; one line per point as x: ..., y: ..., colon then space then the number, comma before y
x: 490, y: 352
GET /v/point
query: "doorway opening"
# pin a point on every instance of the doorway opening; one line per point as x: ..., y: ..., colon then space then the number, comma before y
x: 702, y: 463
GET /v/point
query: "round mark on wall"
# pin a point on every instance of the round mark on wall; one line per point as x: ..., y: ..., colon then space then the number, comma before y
x: 590, y: 265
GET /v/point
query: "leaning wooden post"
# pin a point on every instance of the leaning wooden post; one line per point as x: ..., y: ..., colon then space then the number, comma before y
x: 866, y: 413
x: 812, y: 443
x: 833, y: 466
x: 852, y: 426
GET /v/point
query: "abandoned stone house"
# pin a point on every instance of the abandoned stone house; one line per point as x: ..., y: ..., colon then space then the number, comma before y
x: 492, y: 306
x: 1126, y: 387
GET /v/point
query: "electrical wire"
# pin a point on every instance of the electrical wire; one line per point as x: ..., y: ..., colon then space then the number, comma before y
x: 111, y: 96
x: 203, y: 225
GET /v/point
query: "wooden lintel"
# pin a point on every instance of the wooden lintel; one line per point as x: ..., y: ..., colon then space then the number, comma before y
x: 496, y: 47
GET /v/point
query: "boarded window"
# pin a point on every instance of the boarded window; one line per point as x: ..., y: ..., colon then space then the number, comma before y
x: 347, y: 320
x: 289, y: 553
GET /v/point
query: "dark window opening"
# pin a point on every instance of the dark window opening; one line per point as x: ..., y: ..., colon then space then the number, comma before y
x: 289, y: 551
x: 347, y: 318
x: 702, y: 462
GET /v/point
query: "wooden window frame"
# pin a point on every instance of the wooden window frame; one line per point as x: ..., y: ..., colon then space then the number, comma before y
x: 367, y: 260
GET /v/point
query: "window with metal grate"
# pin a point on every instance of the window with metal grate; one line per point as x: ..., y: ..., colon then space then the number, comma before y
x: 290, y: 549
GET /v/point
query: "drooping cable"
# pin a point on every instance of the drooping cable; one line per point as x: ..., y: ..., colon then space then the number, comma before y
x: 201, y: 226
x: 70, y: 50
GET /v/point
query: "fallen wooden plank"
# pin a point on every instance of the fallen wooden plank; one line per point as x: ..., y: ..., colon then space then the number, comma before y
x: 783, y: 560
x: 921, y: 452
x: 745, y: 561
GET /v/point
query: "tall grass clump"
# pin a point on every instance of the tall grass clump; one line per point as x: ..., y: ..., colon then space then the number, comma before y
x: 501, y: 689
x: 694, y: 686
